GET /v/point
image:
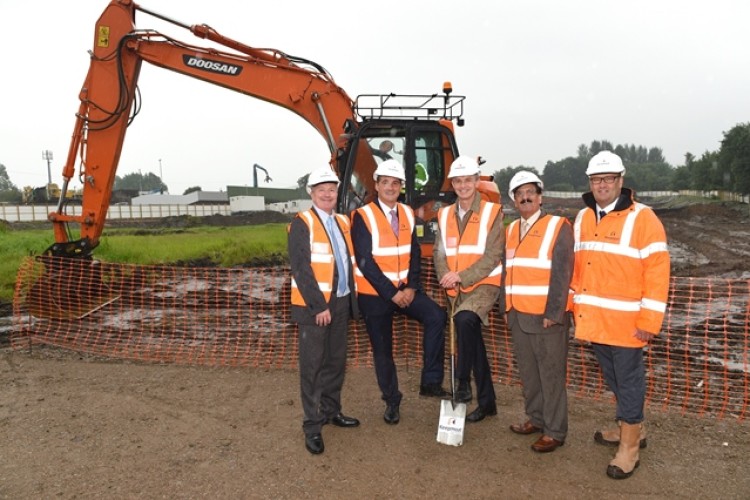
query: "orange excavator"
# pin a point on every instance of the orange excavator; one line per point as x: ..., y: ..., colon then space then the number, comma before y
x: 418, y: 130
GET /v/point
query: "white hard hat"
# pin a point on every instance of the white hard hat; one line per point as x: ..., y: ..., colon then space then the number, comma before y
x: 523, y: 177
x: 390, y: 168
x: 463, y: 165
x: 320, y: 176
x: 605, y: 162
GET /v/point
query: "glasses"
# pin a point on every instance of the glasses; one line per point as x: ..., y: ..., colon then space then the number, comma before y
x: 610, y: 179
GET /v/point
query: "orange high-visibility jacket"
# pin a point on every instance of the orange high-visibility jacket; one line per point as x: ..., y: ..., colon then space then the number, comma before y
x: 528, y: 264
x: 463, y: 250
x: 392, y: 254
x: 621, y: 275
x: 323, y: 259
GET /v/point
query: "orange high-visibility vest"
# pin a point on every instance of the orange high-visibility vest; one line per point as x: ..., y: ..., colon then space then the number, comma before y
x: 463, y: 250
x: 323, y: 260
x: 528, y: 264
x: 391, y: 253
x: 621, y: 275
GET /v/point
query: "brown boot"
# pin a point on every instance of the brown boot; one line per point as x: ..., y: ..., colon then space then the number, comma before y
x: 626, y: 459
x: 611, y: 437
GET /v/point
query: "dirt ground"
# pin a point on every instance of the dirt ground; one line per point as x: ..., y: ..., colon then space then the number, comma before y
x: 74, y: 426
x: 78, y: 427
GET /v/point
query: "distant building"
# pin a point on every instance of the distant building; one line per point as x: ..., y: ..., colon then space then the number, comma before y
x: 279, y: 200
x: 239, y: 204
x: 239, y: 198
x: 270, y: 195
x: 291, y: 207
x: 194, y: 198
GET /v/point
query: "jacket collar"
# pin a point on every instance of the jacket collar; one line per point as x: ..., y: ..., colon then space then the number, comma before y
x: 625, y: 200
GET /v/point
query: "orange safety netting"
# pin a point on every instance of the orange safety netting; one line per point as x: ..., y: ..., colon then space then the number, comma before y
x: 240, y: 317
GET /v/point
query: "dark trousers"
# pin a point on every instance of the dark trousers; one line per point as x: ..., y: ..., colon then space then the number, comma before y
x: 380, y: 330
x: 322, y: 363
x: 625, y: 374
x: 472, y: 356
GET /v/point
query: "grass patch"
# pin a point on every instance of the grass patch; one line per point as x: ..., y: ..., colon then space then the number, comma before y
x: 222, y: 246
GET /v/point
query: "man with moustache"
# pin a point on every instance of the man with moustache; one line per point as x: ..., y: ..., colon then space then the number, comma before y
x: 538, y: 268
x: 621, y: 284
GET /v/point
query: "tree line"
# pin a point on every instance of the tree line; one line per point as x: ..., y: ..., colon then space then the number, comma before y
x: 727, y: 169
x: 134, y: 182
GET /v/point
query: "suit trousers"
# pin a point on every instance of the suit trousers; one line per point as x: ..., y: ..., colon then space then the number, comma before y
x: 380, y: 330
x: 322, y: 363
x: 542, y: 365
x: 472, y: 356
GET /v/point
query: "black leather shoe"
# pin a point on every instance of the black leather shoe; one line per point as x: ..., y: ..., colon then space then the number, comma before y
x: 433, y: 391
x: 479, y: 414
x: 314, y: 443
x: 463, y: 393
x: 391, y: 415
x: 341, y: 420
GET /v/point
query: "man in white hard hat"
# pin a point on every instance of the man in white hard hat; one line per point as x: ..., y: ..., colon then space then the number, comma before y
x: 321, y: 258
x: 389, y: 281
x: 621, y: 283
x: 468, y: 256
x: 538, y: 268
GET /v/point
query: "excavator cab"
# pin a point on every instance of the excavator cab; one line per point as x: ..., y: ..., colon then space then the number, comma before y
x: 416, y: 130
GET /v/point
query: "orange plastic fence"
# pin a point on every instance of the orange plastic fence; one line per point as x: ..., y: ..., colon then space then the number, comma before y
x: 240, y: 317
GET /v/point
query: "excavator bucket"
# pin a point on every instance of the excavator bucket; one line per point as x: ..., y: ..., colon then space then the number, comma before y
x: 63, y: 288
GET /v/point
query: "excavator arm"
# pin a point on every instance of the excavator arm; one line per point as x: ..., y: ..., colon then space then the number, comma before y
x: 108, y: 103
x: 419, y: 126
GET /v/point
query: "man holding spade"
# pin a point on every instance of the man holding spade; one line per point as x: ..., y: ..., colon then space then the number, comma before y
x: 468, y: 256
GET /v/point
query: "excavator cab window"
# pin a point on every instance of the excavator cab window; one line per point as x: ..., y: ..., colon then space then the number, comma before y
x: 424, y: 149
x: 387, y: 148
x: 428, y: 168
x: 373, y: 148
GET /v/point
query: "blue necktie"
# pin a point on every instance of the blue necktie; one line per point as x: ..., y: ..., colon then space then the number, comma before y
x: 340, y: 263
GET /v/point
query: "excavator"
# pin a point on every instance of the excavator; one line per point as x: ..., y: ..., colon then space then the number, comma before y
x: 44, y: 194
x: 418, y: 130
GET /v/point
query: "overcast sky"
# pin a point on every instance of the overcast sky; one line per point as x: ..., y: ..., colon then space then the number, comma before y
x: 541, y: 77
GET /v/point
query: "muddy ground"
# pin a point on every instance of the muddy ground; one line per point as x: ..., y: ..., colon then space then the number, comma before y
x: 75, y: 426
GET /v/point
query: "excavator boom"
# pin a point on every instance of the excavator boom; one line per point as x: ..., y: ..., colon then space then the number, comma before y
x: 108, y: 97
x: 109, y: 104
